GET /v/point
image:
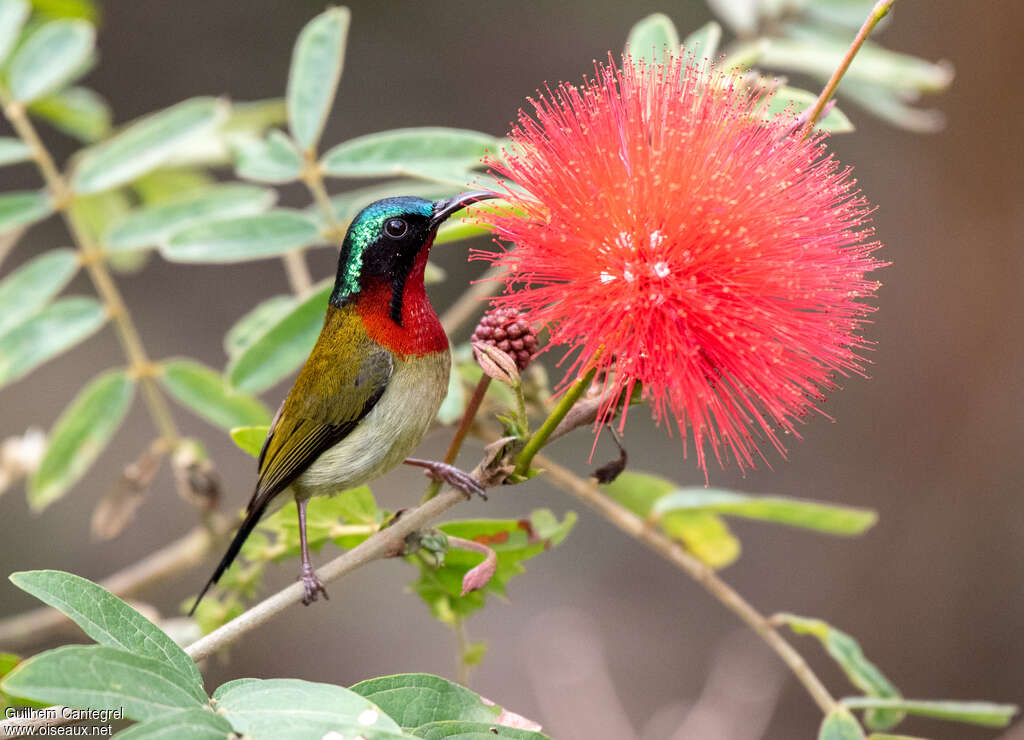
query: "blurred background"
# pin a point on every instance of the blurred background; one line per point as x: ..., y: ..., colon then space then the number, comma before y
x: 601, y: 638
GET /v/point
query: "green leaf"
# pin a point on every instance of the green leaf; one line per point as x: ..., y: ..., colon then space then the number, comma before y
x: 13, y: 151
x: 816, y: 54
x: 96, y: 212
x: 886, y: 736
x: 101, y: 677
x: 461, y: 730
x: 13, y: 14
x: 195, y: 724
x: 50, y: 57
x: 652, y: 37
x: 849, y: 14
x: 791, y: 101
x: 739, y: 15
x: 253, y: 117
x: 409, y: 151
x: 317, y: 60
x: 250, y: 439
x: 433, y: 274
x: 328, y: 518
x: 417, y: 699
x: 84, y: 9
x: 260, y: 318
x: 347, y: 205
x: 829, y: 518
x: 151, y: 226
x: 170, y: 184
x: 205, y: 392
x: 274, y: 159
x: 892, y: 108
x: 703, y: 533
x: 840, y: 725
x: 32, y: 285
x: 23, y: 207
x: 290, y: 708
x: 703, y: 43
x: 453, y: 231
x: 77, y: 111
x: 106, y: 618
x: 146, y: 144
x: 513, y: 540
x: 242, y: 238
x: 80, y: 435
x: 845, y: 651
x: 983, y: 713
x: 46, y: 334
x: 283, y: 347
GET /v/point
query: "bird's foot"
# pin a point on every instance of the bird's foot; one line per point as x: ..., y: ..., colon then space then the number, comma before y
x: 451, y: 475
x: 313, y: 585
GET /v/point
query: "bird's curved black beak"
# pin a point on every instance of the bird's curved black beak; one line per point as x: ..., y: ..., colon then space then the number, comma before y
x: 445, y: 208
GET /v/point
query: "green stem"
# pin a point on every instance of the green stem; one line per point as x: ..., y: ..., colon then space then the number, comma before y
x: 881, y: 9
x: 460, y: 434
x: 538, y: 439
x: 91, y: 256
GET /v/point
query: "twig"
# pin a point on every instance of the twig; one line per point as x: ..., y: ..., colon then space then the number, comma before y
x: 9, y: 240
x: 38, y: 625
x: 295, y: 267
x: 881, y: 9
x: 641, y: 530
x: 91, y: 256
x: 385, y: 543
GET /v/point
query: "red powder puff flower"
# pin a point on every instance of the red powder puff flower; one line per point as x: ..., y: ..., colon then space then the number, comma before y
x: 672, y: 236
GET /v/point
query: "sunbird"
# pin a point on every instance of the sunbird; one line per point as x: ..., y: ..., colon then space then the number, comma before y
x: 374, y: 380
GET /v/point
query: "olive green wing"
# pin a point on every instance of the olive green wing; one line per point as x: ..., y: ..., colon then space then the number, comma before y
x: 335, y: 390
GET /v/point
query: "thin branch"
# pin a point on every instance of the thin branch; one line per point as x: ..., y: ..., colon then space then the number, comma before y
x: 881, y: 9
x: 639, y: 529
x: 39, y: 625
x: 8, y: 240
x: 91, y: 255
x: 385, y: 543
x: 299, y: 278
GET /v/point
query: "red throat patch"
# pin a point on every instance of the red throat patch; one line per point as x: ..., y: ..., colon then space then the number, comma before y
x: 420, y: 332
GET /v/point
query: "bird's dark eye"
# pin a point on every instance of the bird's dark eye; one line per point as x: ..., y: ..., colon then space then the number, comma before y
x: 396, y: 228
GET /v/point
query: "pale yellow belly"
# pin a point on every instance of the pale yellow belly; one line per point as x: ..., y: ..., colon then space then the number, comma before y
x: 386, y: 435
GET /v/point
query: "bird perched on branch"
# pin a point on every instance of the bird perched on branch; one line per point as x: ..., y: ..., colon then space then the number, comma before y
x: 374, y: 381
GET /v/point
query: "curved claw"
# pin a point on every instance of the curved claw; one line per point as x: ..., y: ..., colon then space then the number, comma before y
x: 313, y: 585
x: 451, y: 475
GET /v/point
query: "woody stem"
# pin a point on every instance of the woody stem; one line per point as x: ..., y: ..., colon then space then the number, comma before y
x: 881, y: 9
x: 639, y: 529
x: 91, y: 256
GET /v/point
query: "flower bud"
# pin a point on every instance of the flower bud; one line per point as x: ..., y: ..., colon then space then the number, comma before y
x: 504, y: 329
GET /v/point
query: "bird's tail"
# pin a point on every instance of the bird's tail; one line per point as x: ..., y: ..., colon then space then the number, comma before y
x: 252, y: 517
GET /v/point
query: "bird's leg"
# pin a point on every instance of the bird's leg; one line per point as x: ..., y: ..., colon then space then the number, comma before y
x: 451, y: 475
x: 310, y: 581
